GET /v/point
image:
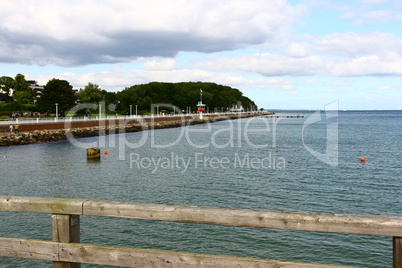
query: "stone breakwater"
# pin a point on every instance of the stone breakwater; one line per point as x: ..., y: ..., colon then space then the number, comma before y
x: 51, y: 135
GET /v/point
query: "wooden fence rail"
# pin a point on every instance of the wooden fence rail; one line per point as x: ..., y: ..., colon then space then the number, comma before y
x: 66, y: 251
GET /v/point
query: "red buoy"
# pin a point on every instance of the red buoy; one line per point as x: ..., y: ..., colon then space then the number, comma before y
x: 362, y: 159
x: 105, y: 152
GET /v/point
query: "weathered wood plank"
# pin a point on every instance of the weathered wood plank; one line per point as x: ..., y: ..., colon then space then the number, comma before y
x: 131, y: 257
x: 318, y: 222
x: 65, y: 228
x: 397, y: 250
x: 27, y: 248
x: 41, y: 205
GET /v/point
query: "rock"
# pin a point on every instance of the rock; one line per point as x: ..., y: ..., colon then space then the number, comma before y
x: 93, y: 153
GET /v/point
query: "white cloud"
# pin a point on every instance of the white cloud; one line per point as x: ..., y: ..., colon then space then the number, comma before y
x: 345, y: 83
x: 88, y: 32
x: 366, y: 12
x: 153, y: 33
x: 372, y: 2
x: 388, y: 88
x: 117, y: 79
x: 367, y: 66
x: 271, y: 65
x: 266, y: 64
x: 372, y: 17
x: 296, y: 50
x: 358, y: 44
x: 312, y: 81
x: 165, y: 64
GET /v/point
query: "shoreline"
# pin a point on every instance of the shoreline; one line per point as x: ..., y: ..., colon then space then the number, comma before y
x: 51, y: 132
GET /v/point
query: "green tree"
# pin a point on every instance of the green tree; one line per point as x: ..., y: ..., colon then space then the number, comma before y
x: 4, y: 97
x: 60, y: 92
x: 23, y: 96
x: 182, y: 95
x: 111, y: 97
x: 6, y: 84
x: 91, y: 93
x: 20, y: 84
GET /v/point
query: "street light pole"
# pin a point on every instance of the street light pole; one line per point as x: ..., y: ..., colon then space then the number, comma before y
x: 57, y: 111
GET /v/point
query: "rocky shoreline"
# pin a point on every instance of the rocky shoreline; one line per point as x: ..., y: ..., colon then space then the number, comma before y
x: 43, y: 136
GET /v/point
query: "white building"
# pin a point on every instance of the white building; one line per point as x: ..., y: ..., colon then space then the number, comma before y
x: 33, y: 85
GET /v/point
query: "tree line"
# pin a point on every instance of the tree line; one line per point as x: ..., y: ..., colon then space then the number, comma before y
x: 19, y: 94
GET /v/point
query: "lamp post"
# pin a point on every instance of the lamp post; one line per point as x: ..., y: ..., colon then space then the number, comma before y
x: 57, y: 111
x: 201, y: 106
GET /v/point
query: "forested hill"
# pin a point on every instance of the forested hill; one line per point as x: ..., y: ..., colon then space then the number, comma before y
x: 183, y: 95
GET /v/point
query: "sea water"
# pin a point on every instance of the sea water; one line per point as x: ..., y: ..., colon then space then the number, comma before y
x: 281, y: 164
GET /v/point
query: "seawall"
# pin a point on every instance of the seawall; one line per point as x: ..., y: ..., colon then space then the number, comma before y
x: 50, y: 132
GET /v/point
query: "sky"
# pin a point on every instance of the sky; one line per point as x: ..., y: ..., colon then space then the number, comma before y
x: 282, y: 54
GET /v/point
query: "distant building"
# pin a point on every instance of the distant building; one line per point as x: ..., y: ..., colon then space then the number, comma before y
x: 33, y: 86
x: 2, y: 90
x: 237, y: 108
x: 37, y: 89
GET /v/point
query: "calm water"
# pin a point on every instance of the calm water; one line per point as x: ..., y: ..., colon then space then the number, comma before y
x: 252, y: 164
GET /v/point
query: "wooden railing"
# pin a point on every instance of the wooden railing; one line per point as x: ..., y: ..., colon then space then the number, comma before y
x: 65, y: 249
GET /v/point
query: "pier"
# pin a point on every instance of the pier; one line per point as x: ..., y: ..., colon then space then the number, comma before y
x: 65, y: 249
x: 32, y: 124
x: 284, y: 116
x: 49, y: 130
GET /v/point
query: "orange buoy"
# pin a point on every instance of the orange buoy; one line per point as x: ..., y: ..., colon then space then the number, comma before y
x: 105, y: 152
x: 362, y: 159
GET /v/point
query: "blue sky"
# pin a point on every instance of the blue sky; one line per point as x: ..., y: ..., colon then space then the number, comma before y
x: 282, y: 54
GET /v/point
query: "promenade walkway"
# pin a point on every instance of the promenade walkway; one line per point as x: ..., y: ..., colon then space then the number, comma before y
x: 32, y: 124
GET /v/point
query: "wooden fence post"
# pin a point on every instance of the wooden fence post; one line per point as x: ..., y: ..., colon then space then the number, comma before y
x: 397, y: 247
x: 65, y: 228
